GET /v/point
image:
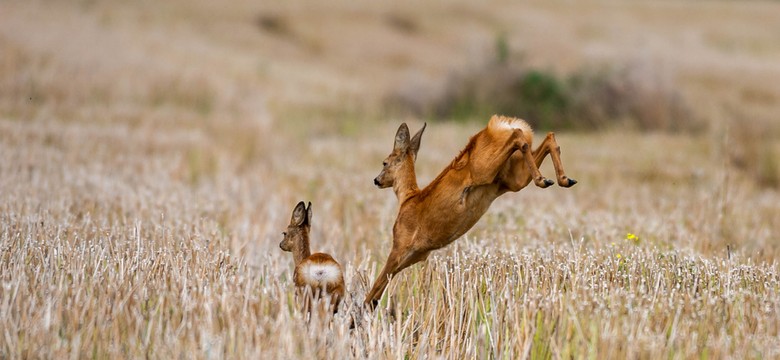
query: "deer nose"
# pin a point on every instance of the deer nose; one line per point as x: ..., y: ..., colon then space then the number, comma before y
x: 376, y: 181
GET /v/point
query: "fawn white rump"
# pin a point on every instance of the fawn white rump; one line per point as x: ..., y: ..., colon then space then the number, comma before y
x: 320, y: 275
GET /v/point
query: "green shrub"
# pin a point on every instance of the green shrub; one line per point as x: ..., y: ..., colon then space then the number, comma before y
x: 542, y: 98
x: 636, y: 95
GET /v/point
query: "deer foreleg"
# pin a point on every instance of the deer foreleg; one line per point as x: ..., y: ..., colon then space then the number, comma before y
x: 396, y: 261
x: 373, y: 296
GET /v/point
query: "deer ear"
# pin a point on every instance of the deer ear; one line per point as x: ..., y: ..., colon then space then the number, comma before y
x: 299, y: 214
x: 402, y: 138
x: 308, y: 214
x: 415, y: 143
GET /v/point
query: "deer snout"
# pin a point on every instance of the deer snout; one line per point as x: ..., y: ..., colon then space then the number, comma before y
x: 376, y: 181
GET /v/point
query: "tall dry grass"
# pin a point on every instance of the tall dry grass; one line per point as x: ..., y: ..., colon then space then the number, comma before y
x: 148, y: 162
x: 119, y: 253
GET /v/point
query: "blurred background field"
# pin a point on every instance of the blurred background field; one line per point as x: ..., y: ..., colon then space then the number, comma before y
x: 151, y: 153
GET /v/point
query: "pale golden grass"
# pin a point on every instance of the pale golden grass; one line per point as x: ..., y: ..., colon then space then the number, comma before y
x: 108, y: 250
x: 144, y: 185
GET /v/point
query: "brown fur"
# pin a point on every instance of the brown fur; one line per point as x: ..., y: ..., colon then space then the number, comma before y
x: 296, y: 240
x: 495, y: 160
x: 335, y: 289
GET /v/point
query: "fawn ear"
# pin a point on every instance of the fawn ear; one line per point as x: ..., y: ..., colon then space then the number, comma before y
x: 402, y: 138
x: 308, y: 214
x: 415, y: 143
x: 299, y: 214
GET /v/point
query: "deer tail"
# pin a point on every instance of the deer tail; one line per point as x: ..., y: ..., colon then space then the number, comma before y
x: 500, y: 125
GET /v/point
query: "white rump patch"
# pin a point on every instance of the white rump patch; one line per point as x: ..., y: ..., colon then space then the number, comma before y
x: 321, y: 274
x: 510, y: 124
x: 507, y: 123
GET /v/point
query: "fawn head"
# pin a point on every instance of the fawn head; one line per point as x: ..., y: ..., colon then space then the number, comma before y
x: 298, y: 230
x: 404, y: 152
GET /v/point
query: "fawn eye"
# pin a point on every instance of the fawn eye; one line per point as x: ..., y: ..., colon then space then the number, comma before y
x: 284, y: 233
x: 384, y: 163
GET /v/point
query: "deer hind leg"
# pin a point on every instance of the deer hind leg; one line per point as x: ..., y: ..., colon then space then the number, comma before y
x: 396, y: 261
x: 531, y: 168
x: 518, y: 147
x: 516, y: 175
x: 550, y: 146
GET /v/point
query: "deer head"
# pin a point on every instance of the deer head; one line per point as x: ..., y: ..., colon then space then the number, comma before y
x: 296, y: 238
x: 401, y: 159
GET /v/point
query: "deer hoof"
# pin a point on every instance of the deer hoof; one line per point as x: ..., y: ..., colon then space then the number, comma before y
x: 566, y: 182
x: 546, y: 183
x: 371, y: 304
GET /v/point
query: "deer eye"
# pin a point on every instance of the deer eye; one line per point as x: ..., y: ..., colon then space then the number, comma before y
x: 284, y: 233
x: 384, y: 163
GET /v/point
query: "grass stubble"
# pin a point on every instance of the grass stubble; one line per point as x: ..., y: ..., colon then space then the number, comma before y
x: 116, y: 253
x: 142, y: 200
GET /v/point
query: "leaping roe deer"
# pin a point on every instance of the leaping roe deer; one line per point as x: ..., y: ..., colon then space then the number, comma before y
x: 319, y: 272
x: 496, y: 160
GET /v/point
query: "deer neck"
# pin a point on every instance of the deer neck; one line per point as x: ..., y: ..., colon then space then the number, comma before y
x: 301, y: 249
x: 405, y: 185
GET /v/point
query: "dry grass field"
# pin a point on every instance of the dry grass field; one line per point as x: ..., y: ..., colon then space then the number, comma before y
x: 151, y: 153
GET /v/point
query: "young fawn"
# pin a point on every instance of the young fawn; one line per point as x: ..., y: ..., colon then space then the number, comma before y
x: 496, y: 160
x: 318, y: 272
